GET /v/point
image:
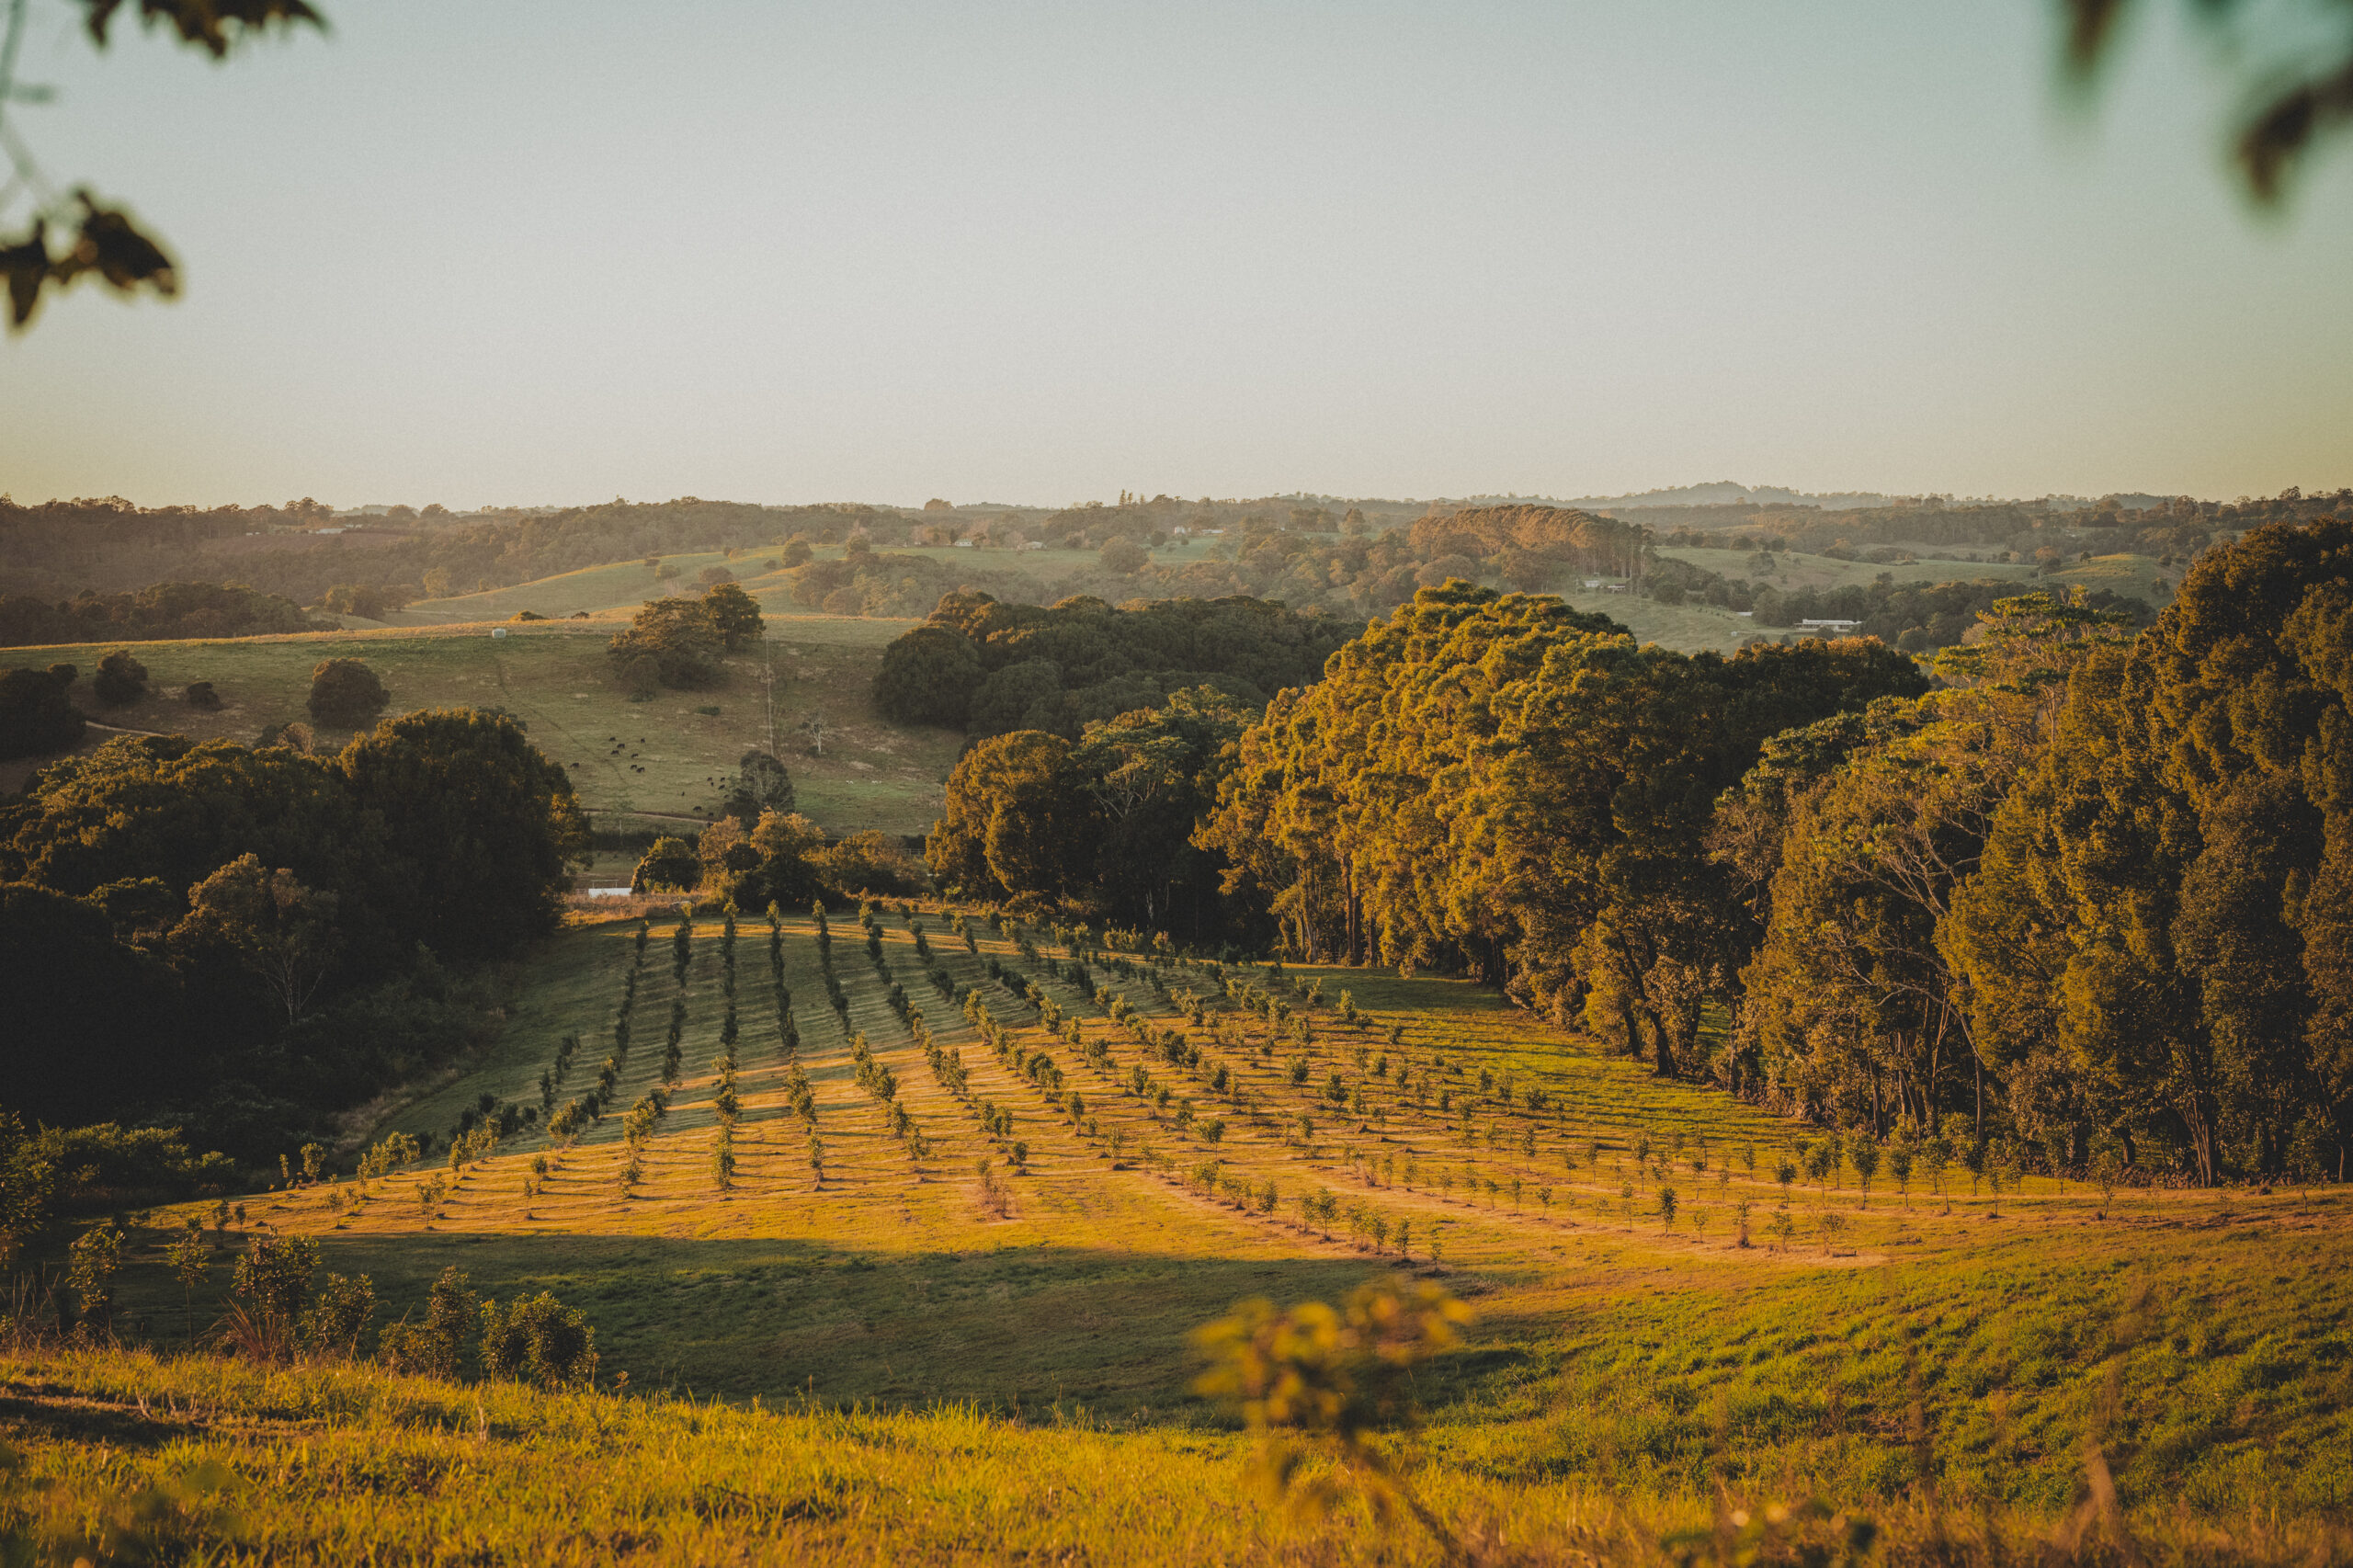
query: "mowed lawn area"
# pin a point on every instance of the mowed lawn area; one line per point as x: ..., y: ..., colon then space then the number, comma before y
x: 804, y: 689
x: 2198, y: 1338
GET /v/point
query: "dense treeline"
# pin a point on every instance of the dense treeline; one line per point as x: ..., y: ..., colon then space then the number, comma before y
x: 241, y: 941
x: 2090, y: 889
x: 64, y: 547
x: 991, y: 668
x: 2181, y: 526
x: 150, y: 613
x: 2086, y: 889
x: 1503, y: 784
x: 1533, y: 540
x: 1914, y: 617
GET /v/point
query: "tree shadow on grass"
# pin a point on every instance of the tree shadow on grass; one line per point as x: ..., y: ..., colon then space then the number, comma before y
x: 1035, y: 1330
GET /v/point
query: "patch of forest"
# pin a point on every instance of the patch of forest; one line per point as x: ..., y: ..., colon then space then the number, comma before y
x: 2084, y: 891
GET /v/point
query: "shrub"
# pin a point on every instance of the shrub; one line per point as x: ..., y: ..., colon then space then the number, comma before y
x: 670, y: 863
x: 90, y: 1267
x: 201, y: 695
x: 338, y: 1316
x: 538, y: 1338
x: 121, y: 680
x: 433, y: 1346
x: 346, y: 693
x: 271, y: 1281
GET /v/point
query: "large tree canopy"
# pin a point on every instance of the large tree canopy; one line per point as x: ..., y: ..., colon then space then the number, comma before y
x: 1505, y: 782
x: 244, y: 938
x: 481, y: 823
x: 995, y: 667
x: 676, y: 642
x: 2162, y: 923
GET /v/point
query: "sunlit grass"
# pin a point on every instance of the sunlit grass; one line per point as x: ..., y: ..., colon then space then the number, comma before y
x: 2198, y: 1339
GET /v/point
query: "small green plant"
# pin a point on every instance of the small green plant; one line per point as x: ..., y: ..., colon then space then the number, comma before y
x: 190, y: 1258
x: 540, y: 1338
x: 1319, y: 1381
x: 337, y: 1316
x: 271, y: 1283
x: 433, y: 1346
x: 90, y: 1264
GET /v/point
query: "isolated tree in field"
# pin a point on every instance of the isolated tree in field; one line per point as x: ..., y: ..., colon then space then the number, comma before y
x: 345, y: 694
x: 2107, y: 1169
x: 121, y: 680
x: 1864, y: 1154
x: 735, y: 613
x: 682, y: 639
x: 762, y: 784
x: 1903, y: 1153
x: 1124, y: 558
x: 280, y: 931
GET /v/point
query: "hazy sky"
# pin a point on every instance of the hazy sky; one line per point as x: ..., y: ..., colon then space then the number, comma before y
x: 562, y: 250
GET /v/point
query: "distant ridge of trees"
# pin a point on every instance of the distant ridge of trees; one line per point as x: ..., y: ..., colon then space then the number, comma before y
x: 152, y: 614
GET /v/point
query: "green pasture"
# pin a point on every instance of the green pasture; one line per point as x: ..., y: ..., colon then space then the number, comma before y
x: 646, y: 763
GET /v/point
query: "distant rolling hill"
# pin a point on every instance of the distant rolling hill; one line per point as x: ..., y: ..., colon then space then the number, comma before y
x: 651, y: 761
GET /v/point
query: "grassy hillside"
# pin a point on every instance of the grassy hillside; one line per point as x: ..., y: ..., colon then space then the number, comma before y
x: 161, y: 1461
x: 2198, y: 1339
x: 661, y: 758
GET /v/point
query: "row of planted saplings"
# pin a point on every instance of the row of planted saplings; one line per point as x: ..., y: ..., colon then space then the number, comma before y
x: 583, y: 1111
x: 1171, y: 1046
x: 1161, y: 1046
x: 1095, y: 1049
x: 1273, y: 1002
x: 835, y: 995
x: 1364, y: 1223
x: 1319, y: 1210
x: 946, y: 1063
x: 997, y: 1124
x: 872, y: 1076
